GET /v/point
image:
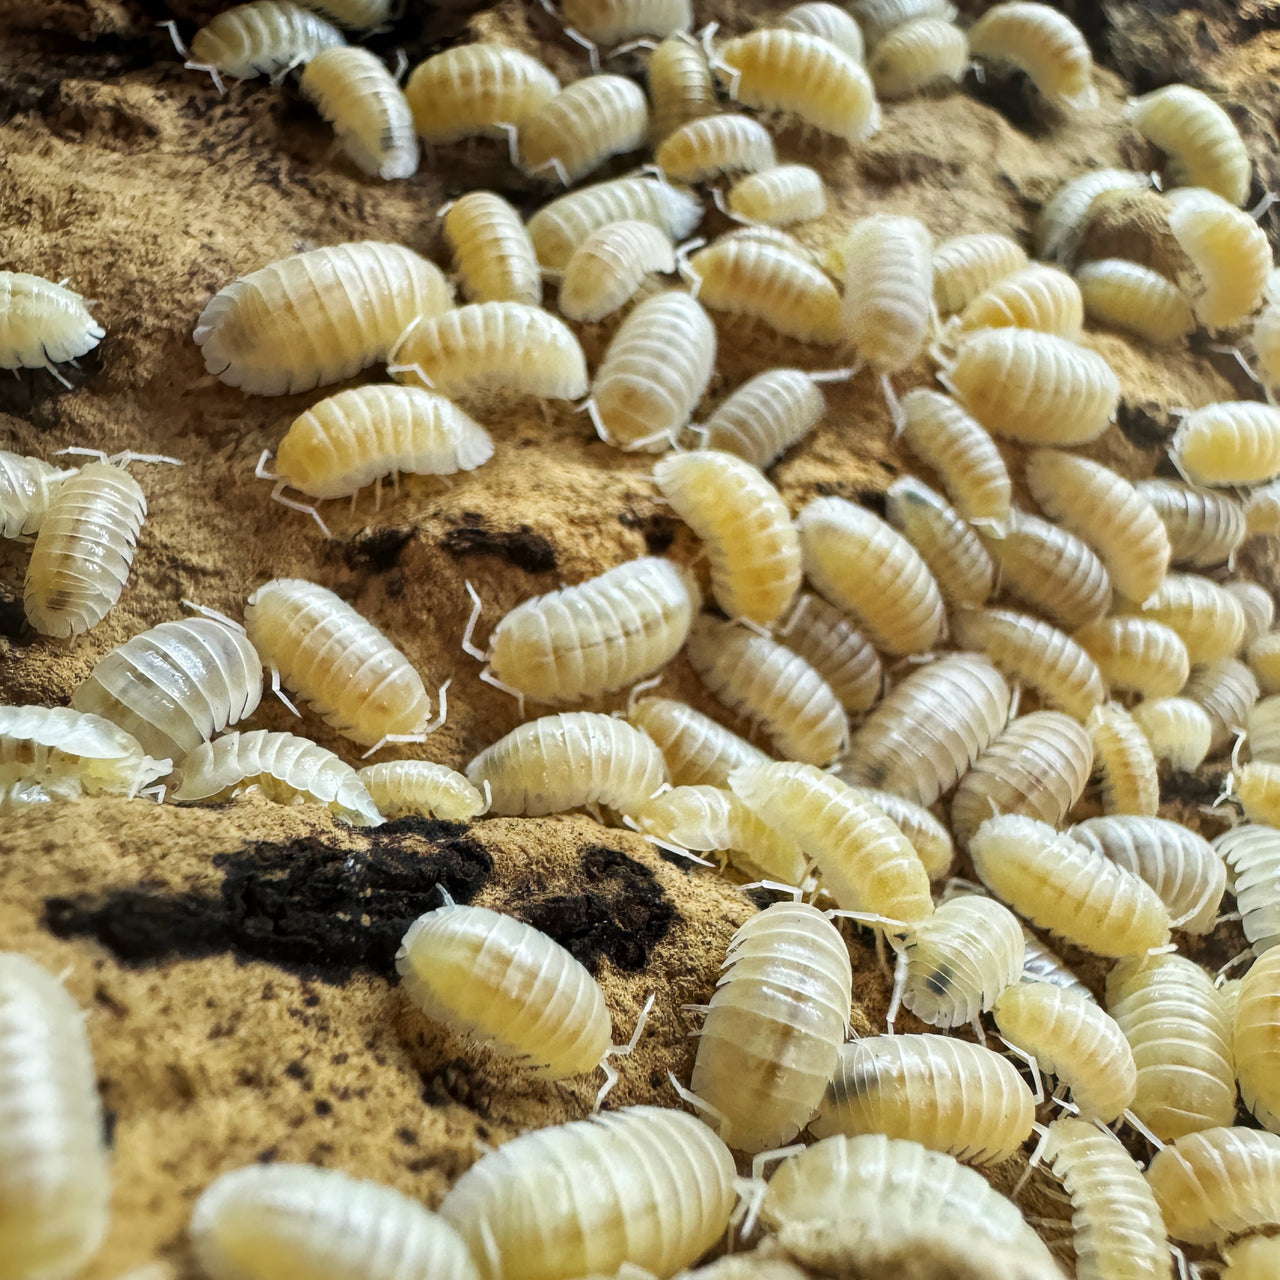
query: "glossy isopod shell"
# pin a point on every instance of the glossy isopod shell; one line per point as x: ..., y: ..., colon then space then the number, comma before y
x: 928, y: 836
x: 1136, y: 655
x: 1229, y: 251
x: 1257, y: 1042
x: 1037, y: 297
x: 1134, y: 299
x: 492, y: 251
x: 1251, y: 852
x: 782, y: 195
x: 1227, y: 690
x: 765, y: 416
x: 1264, y: 661
x: 967, y: 265
x: 715, y: 144
x: 918, y: 55
x: 611, y: 266
x: 1204, y: 526
x: 612, y: 21
x: 829, y: 21
x: 1235, y: 443
x: 42, y: 323
x: 27, y: 485
x: 1064, y: 219
x: 1178, y: 729
x: 1044, y: 43
x: 1209, y: 619
x: 1123, y: 757
x: 582, y: 126
x: 262, y: 38
x: 697, y: 750
x: 680, y: 86
x: 403, y: 787
x: 827, y: 640
x: 961, y: 566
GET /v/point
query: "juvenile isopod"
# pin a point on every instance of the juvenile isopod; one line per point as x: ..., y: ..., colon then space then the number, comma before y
x: 355, y: 15
x: 680, y: 85
x: 562, y: 762
x: 1232, y: 443
x: 948, y: 1095
x: 252, y: 1223
x: 175, y: 686
x: 1033, y: 387
x: 1264, y: 661
x: 772, y: 1032
x: 834, y: 24
x: 492, y: 348
x: 355, y: 92
x: 401, y: 787
x: 782, y: 195
x: 764, y: 417
x: 54, y: 1211
x: 43, y: 324
x: 827, y: 640
x: 492, y: 251
x: 1177, y: 1026
x: 84, y: 550
x: 1064, y: 219
x: 712, y: 145
x: 1134, y: 299
x: 1209, y: 619
x: 1258, y: 605
x: 961, y: 566
x: 1039, y: 767
x: 582, y: 126
x: 765, y: 681
x: 610, y: 266
x: 323, y: 650
x: 1037, y: 297
x: 918, y: 55
x: 1251, y: 852
x: 803, y: 75
x: 1178, y: 729
x: 1230, y: 252
x: 929, y: 729
x: 27, y: 485
x: 865, y: 567
x: 1059, y: 884
x: 1136, y: 655
x: 612, y: 21
x: 593, y: 637
x: 752, y: 546
x: 285, y: 768
x: 966, y: 266
x: 1205, y: 527
x: 1202, y: 145
x: 1257, y: 1042
x: 1226, y: 689
x: 645, y: 1186
x: 1045, y: 44
x: 697, y: 750
x: 316, y: 317
x: 1122, y: 756
x: 1035, y: 653
x: 654, y: 372
x: 477, y: 90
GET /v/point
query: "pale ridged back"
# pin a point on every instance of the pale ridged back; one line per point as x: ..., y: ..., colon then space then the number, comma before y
x: 75, y: 750
x: 1136, y: 655
x: 778, y: 197
x: 1255, y: 1048
x: 1043, y: 964
x: 26, y: 486
x: 888, y: 274
x: 916, y: 55
x: 1062, y: 222
x: 961, y: 566
x: 1227, y: 689
x: 1258, y: 605
x: 834, y: 24
x: 829, y: 642
x: 713, y: 145
x: 261, y: 38
x: 1202, y: 145
x: 355, y: 15
x: 492, y: 251
x: 42, y: 323
x: 84, y: 550
x: 1209, y: 619
x: 680, y: 86
x: 1045, y: 44
x: 928, y: 836
x: 1252, y: 1258
x: 1251, y: 852
x: 1135, y: 299
x: 1264, y: 661
x: 878, y: 18
x: 1230, y: 252
x: 400, y: 787
x: 582, y: 126
x: 617, y: 20
x: 1036, y: 297
x: 1204, y: 527
x: 1232, y: 443
x: 697, y: 749
x: 765, y: 416
x: 1123, y: 757
x: 965, y: 266
x: 175, y: 686
x: 610, y: 266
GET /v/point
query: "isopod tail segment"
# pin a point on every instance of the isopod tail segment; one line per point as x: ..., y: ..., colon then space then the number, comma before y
x: 621, y: 1051
x: 278, y: 495
x: 427, y: 730
x: 472, y: 651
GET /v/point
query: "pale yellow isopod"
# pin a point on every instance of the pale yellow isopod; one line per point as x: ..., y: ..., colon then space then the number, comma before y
x: 1122, y: 756
x: 654, y: 372
x: 402, y: 787
x: 749, y: 277
x: 492, y: 348
x: 1202, y: 145
x: 866, y: 568
x: 943, y: 436
x: 582, y: 126
x: 802, y: 75
x: 1230, y: 252
x: 1177, y: 1026
x: 492, y: 251
x: 355, y: 92
x: 56, y: 1199
x: 562, y: 762
x: 1044, y: 43
x: 1226, y: 689
x: 1035, y: 653
x: 594, y: 637
x: 612, y: 21
x: 1251, y: 852
x: 960, y: 564
x: 1209, y: 619
x: 1064, y: 219
x: 945, y: 1094
x: 1033, y: 387
x: 1264, y: 336
x: 477, y: 90
x: 680, y: 85
x: 764, y: 417
x: 1037, y: 297
x: 42, y: 324
x: 753, y: 548
x: 772, y: 1032
x: 1264, y: 661
x: 1205, y: 527
x: 780, y: 196
x: 1257, y: 1042
x: 648, y: 1187
x: 27, y: 485
x: 834, y: 24
x: 928, y: 836
x: 878, y: 18
x: 1074, y: 1039
x: 1134, y: 299
x: 610, y: 266
x: 1136, y: 655
x: 1232, y: 443
x: 712, y: 145
x: 698, y: 750
x: 1262, y: 510
x: 967, y: 265
x: 1264, y: 730
x: 1258, y: 605
x: 1178, y: 729
x: 1251, y: 1258
x: 1059, y: 884
x: 918, y: 55
x: 929, y: 729
x: 765, y: 681
x: 827, y: 640
x: 1038, y: 767
x: 317, y: 317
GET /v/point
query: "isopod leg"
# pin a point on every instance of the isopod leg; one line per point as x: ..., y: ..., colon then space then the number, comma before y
x: 899, y: 984
x: 621, y: 1051
x: 489, y: 678
x: 1033, y: 1066
x: 593, y: 49
x: 275, y: 688
x: 1033, y: 1161
x: 277, y: 495
x: 642, y: 687
x: 205, y: 612
x: 175, y: 37
x: 468, y: 645
x: 1137, y: 1126
x: 213, y: 75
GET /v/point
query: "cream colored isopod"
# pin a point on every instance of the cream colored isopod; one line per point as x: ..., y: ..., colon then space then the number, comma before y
x: 965, y: 266
x: 917, y: 56
x: 961, y: 566
x: 1037, y: 297
x: 43, y: 324
x: 492, y: 251
x: 1257, y: 1041
x: 26, y: 486
x: 610, y: 266
x: 1044, y: 43
x: 680, y: 85
x: 1205, y: 526
x: 1135, y: 299
x: 1124, y: 759
x: 827, y: 640
x: 697, y: 750
x: 1230, y: 252
x: 401, y: 787
x: 1235, y: 443
x: 1136, y: 655
x: 780, y: 196
x: 765, y: 416
x: 716, y: 144
x: 582, y: 126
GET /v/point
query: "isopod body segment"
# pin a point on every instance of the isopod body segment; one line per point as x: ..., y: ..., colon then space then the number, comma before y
x: 492, y: 250
x: 582, y: 126
x: 613, y: 21
x: 780, y: 196
x: 765, y: 416
x: 697, y: 749
x: 611, y: 265
x: 1236, y: 443
x: 260, y: 39
x: 918, y: 55
x: 26, y: 485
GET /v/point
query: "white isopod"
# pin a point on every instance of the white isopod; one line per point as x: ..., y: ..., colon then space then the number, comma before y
x: 1232, y: 443
x: 401, y: 787
x: 1063, y: 221
x: 492, y: 250
x: 1044, y: 43
x: 1251, y: 852
x: 780, y: 196
x: 610, y: 266
x: 965, y: 266
x: 26, y: 486
x: 43, y: 324
x: 828, y: 641
x: 582, y: 126
x: 1135, y: 299
x: 1230, y: 252
x: 1205, y: 527
x: 918, y: 55
x: 1226, y: 689
x: 712, y: 145
x: 765, y: 416
x: 697, y: 749
x: 1138, y: 655
x: 1178, y: 729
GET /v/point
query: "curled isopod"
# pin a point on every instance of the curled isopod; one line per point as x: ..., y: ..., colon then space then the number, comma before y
x: 1135, y: 299
x: 492, y: 251
x: 582, y: 126
x: 680, y: 85
x: 1226, y: 689
x: 1039, y: 767
x: 929, y: 729
x: 1136, y: 655
x: 1209, y: 619
x: 1258, y: 605
x: 1230, y: 252
x: 316, y: 317
x: 764, y: 417
x: 803, y: 75
x: 945, y: 1094
x: 653, y: 373
x: 943, y: 436
x: 1205, y: 527
x: 1123, y: 757
x: 284, y: 767
x: 782, y: 195
x: 1034, y: 387
x: 1175, y: 861
x: 712, y: 145
x: 262, y: 38
x: 401, y: 787
x: 27, y: 485
x: 865, y: 567
x: 43, y: 324
x: 1257, y: 1042
x: 827, y: 640
x: 1202, y: 145
x: 829, y: 21
x: 612, y: 21
x: 1177, y: 1026
x: 54, y: 1212
x: 356, y: 93
x: 918, y: 55
x: 595, y: 636
x: 175, y: 686
x: 961, y: 566
x: 1059, y: 884
x: 1178, y: 729
x: 84, y: 550
x: 1064, y: 219
x: 965, y: 266
x: 610, y: 266
x: 645, y: 1187
x: 1044, y: 43
x: 477, y: 90
x: 566, y: 761
x: 1235, y: 443
x: 765, y: 681
x: 1251, y: 854
x: 1036, y: 297
x: 772, y: 1032
x: 697, y: 749
x: 492, y: 348
x: 251, y: 1223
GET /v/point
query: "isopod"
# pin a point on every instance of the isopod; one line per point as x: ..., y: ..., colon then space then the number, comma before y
x: 764, y: 417
x: 612, y: 21
x: 1264, y: 661
x: 1257, y: 1042
x: 1043, y: 964
x: 610, y: 266
x: 834, y: 24
x: 1264, y: 729
x: 1209, y: 619
x: 27, y: 485
x: 1251, y: 852
x: 878, y: 18
x: 1064, y: 219
x: 1136, y: 655
x: 582, y: 126
x: 1230, y: 252
x: 918, y: 55
x: 830, y: 643
x: 43, y: 324
x: 1037, y: 297
x: 961, y: 566
x: 492, y: 251
x: 1258, y: 605
x: 697, y: 750
x: 1134, y: 299
x: 1251, y: 1258
x: 1123, y: 757
x: 1044, y: 43
x: 1234, y: 443
x: 400, y: 787
x: 1205, y: 527
x: 782, y: 195
x: 1262, y: 510
x: 1257, y: 788
x: 1178, y: 729
x: 680, y: 86
x: 966, y: 266
x: 1226, y: 689
x: 712, y: 145
x: 316, y: 317
x: 355, y: 15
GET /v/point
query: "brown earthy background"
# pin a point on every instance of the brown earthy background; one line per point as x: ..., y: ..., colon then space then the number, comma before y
x: 236, y: 961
